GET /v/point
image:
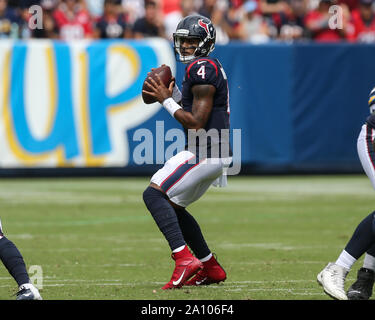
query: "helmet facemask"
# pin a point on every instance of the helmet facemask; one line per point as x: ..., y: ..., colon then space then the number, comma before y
x: 203, y: 48
x: 178, y: 50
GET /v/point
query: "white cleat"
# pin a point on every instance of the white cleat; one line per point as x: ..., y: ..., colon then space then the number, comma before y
x: 28, y: 292
x: 332, y: 279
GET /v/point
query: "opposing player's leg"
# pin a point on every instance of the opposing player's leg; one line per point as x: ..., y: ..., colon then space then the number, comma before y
x: 13, y: 261
x: 333, y: 276
x: 362, y: 288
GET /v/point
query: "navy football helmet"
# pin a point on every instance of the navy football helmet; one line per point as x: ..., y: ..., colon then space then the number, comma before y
x: 195, y: 27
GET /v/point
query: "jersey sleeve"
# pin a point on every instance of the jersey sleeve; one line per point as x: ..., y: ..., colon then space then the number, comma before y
x: 203, y: 72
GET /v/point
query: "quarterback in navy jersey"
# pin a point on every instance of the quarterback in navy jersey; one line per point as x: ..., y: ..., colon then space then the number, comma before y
x: 202, y: 106
x: 208, y: 71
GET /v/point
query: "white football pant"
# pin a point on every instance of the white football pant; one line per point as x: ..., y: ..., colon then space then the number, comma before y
x: 184, y: 179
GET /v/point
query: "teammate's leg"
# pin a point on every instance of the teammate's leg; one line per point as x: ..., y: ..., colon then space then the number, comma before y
x: 14, y: 263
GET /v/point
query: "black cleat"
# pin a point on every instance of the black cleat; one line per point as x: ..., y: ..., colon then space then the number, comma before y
x: 362, y: 288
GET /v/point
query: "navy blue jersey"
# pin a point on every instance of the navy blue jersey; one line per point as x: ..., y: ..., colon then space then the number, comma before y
x: 8, y: 20
x: 111, y: 28
x: 207, y: 70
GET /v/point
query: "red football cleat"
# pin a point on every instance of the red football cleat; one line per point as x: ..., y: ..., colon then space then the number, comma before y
x: 186, y: 266
x: 212, y: 272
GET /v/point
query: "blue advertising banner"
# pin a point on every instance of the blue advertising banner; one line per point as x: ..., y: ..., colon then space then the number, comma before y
x: 71, y: 104
x: 78, y: 104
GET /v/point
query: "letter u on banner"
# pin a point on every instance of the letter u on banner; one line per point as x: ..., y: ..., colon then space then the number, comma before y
x: 59, y: 141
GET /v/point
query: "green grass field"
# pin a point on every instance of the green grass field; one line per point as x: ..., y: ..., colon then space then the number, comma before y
x: 94, y: 239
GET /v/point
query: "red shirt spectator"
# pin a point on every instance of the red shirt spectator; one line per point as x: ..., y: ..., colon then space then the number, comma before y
x: 317, y: 22
x: 352, y: 4
x: 363, y: 23
x: 74, y: 20
x: 169, y: 6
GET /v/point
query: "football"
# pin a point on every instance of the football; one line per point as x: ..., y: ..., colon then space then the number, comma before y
x: 165, y: 75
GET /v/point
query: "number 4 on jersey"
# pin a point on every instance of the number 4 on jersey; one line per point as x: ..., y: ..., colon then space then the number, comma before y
x: 202, y: 72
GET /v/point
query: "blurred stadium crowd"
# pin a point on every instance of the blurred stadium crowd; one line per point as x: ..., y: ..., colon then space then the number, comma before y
x: 255, y: 21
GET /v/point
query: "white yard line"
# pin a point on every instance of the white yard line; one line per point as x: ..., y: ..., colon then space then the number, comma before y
x: 229, y: 286
x: 226, y: 284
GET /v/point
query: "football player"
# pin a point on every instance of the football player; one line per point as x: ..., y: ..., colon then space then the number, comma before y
x: 332, y: 277
x: 203, y: 104
x: 13, y: 261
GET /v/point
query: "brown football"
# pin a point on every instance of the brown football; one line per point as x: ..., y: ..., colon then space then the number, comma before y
x: 165, y: 75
